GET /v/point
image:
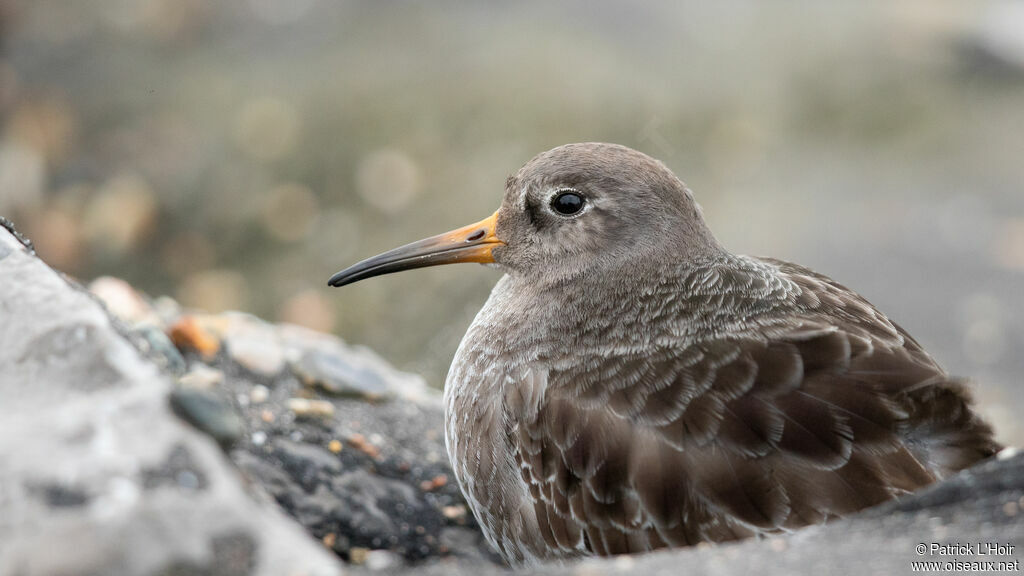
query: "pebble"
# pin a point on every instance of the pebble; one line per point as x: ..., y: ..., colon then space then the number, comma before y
x: 209, y: 413
x: 259, y: 394
x: 357, y: 555
x: 252, y: 343
x: 340, y: 376
x: 159, y: 347
x: 434, y: 483
x: 311, y: 408
x: 358, y: 441
x: 455, y: 512
x: 259, y: 438
x: 202, y: 377
x: 381, y: 560
x: 123, y: 301
x: 257, y: 355
x: 1010, y: 508
x: 334, y: 446
x: 188, y: 334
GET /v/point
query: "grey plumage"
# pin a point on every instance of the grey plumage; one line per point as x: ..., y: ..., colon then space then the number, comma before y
x: 631, y: 385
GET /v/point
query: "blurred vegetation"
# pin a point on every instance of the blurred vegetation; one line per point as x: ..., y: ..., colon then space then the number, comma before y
x: 236, y: 154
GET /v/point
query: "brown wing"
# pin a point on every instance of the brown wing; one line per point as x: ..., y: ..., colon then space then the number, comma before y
x: 733, y: 437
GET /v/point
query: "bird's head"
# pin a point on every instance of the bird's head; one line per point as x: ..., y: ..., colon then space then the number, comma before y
x: 569, y: 210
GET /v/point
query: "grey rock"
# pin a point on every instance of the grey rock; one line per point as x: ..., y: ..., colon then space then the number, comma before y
x: 361, y: 480
x: 305, y: 461
x: 97, y: 475
x: 5, y: 248
x: 137, y: 319
x: 92, y: 458
x: 201, y: 377
x: 381, y: 560
x: 157, y: 347
x: 981, y: 504
x: 340, y: 376
x: 205, y: 410
x: 325, y: 362
x: 253, y: 344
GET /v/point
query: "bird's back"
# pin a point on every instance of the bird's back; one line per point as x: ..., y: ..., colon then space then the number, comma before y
x: 731, y: 398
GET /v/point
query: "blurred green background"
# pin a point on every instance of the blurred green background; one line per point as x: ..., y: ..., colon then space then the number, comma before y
x: 233, y: 155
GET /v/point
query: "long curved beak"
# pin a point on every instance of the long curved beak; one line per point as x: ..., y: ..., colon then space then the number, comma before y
x: 472, y: 243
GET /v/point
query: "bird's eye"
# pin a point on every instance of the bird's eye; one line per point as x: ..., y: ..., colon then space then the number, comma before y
x: 567, y: 203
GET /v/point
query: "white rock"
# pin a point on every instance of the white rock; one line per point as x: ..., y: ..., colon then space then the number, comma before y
x: 86, y: 419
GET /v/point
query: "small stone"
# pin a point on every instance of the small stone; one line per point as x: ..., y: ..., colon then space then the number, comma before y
x: 123, y: 301
x: 305, y: 407
x: 434, y: 483
x: 1010, y: 508
x: 334, y: 446
x: 329, y: 539
x: 455, y: 512
x: 358, y: 441
x: 188, y: 334
x: 308, y: 465
x: 156, y: 345
x: 253, y: 343
x: 341, y: 376
x: 259, y: 394
x: 267, y: 416
x: 259, y: 438
x: 381, y: 560
x: 202, y: 377
x: 257, y: 355
x: 357, y: 555
x: 209, y: 413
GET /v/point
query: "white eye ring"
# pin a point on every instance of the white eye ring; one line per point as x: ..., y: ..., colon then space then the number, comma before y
x: 567, y: 202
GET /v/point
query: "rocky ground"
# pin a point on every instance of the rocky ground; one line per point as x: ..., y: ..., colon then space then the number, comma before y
x: 100, y: 474
x: 349, y: 447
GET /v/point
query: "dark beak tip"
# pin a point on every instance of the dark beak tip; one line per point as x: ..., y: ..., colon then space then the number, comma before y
x: 471, y: 243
